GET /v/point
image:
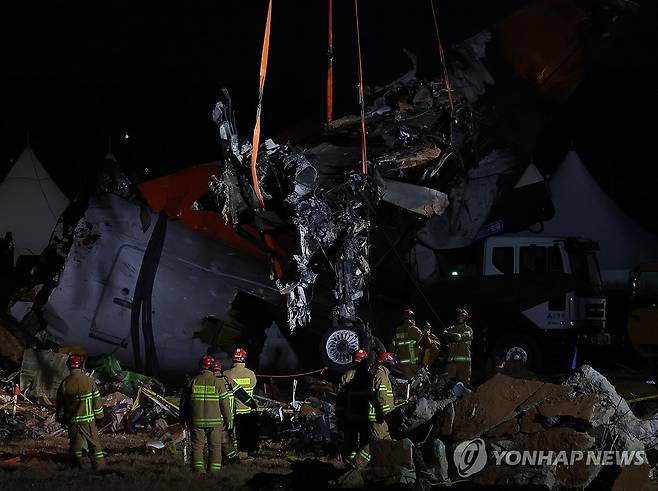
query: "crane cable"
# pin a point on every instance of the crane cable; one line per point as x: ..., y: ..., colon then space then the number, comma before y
x: 330, y: 65
x: 261, y: 87
x: 446, y: 79
x: 364, y: 153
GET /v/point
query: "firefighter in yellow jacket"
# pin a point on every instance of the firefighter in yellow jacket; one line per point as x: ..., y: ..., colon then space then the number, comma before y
x: 78, y: 407
x: 354, y: 410
x: 459, y: 337
x: 229, y: 448
x: 404, y: 346
x: 429, y: 346
x: 382, y: 396
x: 246, y: 419
x: 205, y: 408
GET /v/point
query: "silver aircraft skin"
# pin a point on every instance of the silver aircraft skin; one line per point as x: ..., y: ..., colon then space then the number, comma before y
x: 197, y: 277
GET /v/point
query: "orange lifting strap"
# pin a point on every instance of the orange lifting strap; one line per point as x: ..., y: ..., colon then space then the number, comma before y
x: 446, y: 80
x: 261, y: 86
x: 364, y: 154
x: 330, y: 65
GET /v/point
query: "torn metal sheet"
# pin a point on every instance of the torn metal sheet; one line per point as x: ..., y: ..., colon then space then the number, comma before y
x: 42, y: 371
x: 235, y: 198
x: 424, y: 201
x: 471, y: 201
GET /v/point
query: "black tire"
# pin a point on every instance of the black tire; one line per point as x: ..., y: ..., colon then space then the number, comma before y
x: 508, y: 341
x: 339, y: 343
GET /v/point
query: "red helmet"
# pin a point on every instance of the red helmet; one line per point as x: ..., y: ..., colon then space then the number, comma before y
x: 359, y: 356
x: 240, y: 355
x: 74, y: 361
x: 206, y: 362
x: 385, y: 357
x: 216, y: 366
x: 408, y: 314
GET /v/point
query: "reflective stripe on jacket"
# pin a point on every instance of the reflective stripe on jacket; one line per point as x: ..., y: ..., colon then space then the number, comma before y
x: 382, y: 391
x: 236, y: 393
x: 246, y: 379
x: 78, y: 399
x: 206, y: 402
x: 404, y: 345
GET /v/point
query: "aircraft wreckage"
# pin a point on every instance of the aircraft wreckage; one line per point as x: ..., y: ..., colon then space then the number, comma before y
x: 187, y: 263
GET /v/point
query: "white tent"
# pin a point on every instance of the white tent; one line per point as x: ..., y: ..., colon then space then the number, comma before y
x: 30, y: 204
x: 583, y: 209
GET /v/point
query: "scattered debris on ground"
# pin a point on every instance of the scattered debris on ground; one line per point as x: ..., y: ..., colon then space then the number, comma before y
x: 140, y: 428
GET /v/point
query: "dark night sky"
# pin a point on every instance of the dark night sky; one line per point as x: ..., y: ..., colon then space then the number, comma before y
x: 75, y: 73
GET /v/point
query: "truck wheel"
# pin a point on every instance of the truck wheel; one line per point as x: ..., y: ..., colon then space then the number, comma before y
x: 510, y: 343
x: 339, y: 343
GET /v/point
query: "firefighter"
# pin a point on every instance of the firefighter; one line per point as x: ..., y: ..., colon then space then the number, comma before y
x: 205, y: 408
x: 78, y: 407
x: 382, y: 396
x: 459, y: 337
x: 358, y: 357
x: 246, y: 419
x: 429, y: 346
x: 353, y: 410
x: 405, y: 344
x: 229, y: 448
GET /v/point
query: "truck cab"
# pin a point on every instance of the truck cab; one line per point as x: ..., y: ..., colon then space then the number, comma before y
x: 561, y: 281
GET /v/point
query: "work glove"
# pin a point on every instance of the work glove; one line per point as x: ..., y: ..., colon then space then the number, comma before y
x: 253, y: 404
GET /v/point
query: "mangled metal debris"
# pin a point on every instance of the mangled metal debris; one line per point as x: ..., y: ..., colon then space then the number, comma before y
x: 424, y: 201
x: 328, y: 202
x: 324, y: 220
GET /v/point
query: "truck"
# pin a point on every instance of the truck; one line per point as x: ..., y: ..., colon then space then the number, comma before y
x: 542, y: 295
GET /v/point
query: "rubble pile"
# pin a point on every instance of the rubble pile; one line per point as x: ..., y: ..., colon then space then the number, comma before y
x: 585, y: 413
x: 136, y: 403
x: 306, y: 424
x: 25, y: 420
x: 130, y: 400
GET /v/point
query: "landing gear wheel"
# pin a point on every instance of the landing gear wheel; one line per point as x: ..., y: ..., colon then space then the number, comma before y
x: 339, y: 344
x: 520, y: 345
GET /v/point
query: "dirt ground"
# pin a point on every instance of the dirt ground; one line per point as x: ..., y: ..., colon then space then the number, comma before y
x: 44, y: 465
